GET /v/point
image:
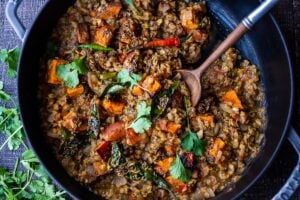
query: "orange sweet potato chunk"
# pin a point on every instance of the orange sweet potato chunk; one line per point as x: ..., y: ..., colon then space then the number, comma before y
x: 164, y: 165
x: 103, y: 36
x: 75, y: 92
x: 232, y: 98
x: 52, y: 67
x: 113, y: 106
x: 111, y: 10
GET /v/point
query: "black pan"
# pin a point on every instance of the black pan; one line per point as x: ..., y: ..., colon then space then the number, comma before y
x: 263, y: 46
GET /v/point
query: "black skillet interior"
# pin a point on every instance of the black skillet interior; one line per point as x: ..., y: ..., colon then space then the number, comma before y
x: 263, y: 46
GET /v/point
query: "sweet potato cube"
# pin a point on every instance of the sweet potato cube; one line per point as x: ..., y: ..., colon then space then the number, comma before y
x: 188, y: 18
x: 103, y: 36
x: 52, y: 67
x: 100, y: 167
x: 177, y: 185
x: 208, y: 118
x: 70, y: 121
x: 113, y: 107
x: 168, y: 126
x: 111, y: 10
x: 163, y: 166
x: 232, y: 98
x: 136, y: 90
x: 132, y: 138
x: 217, y: 146
x: 75, y: 92
x: 151, y: 84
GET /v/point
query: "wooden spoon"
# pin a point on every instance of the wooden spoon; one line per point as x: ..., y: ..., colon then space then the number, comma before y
x: 193, y: 77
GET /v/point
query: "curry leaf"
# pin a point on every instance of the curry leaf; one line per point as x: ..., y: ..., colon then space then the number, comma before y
x: 161, y: 100
x: 95, y: 47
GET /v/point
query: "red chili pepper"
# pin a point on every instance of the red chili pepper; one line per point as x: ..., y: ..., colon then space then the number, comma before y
x: 168, y: 42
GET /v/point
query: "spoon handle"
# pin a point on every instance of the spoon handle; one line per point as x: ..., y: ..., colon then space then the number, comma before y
x: 246, y: 24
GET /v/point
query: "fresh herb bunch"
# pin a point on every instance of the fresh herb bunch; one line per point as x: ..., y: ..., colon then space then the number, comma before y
x: 33, y: 183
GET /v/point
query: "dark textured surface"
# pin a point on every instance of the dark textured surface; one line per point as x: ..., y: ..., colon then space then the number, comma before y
x: 287, y: 14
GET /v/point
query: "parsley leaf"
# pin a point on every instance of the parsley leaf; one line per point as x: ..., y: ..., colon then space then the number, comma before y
x: 128, y: 78
x: 11, y: 57
x: 142, y: 122
x: 178, y: 171
x: 69, y: 73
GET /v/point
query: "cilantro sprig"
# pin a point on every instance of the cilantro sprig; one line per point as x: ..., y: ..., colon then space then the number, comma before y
x: 125, y: 77
x: 191, y: 142
x: 69, y: 73
x: 142, y: 122
x: 178, y: 171
x: 11, y: 57
x: 33, y: 183
x: 10, y: 123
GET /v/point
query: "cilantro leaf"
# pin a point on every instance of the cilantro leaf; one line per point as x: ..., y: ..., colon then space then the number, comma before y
x: 142, y: 122
x: 143, y: 109
x: 191, y: 142
x: 29, y: 160
x: 188, y: 141
x: 178, y: 171
x: 199, y: 147
x: 128, y: 78
x: 4, y: 96
x: 69, y: 73
x: 11, y: 57
x: 141, y: 125
x: 79, y: 65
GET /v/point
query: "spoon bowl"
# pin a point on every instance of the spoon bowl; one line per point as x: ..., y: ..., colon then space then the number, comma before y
x: 193, y: 82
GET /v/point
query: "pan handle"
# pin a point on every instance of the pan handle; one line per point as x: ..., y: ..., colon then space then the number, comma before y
x: 14, y: 20
x: 293, y: 182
